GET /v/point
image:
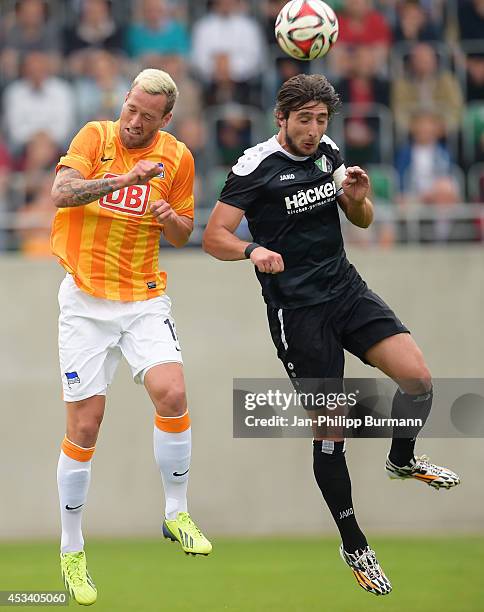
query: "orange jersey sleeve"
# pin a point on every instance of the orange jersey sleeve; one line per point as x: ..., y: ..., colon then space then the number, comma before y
x: 181, y: 197
x: 84, y: 151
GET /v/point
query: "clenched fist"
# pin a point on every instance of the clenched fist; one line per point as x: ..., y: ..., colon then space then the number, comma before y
x: 162, y: 211
x: 267, y: 261
x: 142, y: 172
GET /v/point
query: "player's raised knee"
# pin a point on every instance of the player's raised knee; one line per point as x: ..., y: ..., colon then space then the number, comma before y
x: 170, y: 401
x: 425, y: 378
x: 421, y: 375
x: 418, y: 379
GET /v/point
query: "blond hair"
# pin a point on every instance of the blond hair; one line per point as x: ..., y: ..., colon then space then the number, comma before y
x: 155, y: 82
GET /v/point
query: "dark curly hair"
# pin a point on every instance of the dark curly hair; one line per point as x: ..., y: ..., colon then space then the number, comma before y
x: 303, y: 88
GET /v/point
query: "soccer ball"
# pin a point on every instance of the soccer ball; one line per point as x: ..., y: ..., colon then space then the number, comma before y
x: 306, y: 29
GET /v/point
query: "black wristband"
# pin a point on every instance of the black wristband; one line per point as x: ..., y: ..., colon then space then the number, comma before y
x: 249, y: 248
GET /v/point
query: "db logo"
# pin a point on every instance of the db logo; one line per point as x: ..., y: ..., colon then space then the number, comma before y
x: 131, y: 200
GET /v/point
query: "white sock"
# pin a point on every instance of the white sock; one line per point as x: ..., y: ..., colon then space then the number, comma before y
x: 73, y: 479
x: 172, y: 454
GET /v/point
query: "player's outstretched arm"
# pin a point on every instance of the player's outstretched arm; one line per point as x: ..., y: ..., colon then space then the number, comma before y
x: 355, y: 203
x: 72, y: 189
x: 219, y: 240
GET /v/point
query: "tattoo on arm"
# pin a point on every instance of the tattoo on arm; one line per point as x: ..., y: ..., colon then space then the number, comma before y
x: 75, y: 190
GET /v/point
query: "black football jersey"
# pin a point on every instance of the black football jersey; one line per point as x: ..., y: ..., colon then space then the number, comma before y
x: 291, y: 208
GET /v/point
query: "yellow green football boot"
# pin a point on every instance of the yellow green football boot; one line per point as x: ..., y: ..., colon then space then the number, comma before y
x: 76, y: 578
x: 183, y: 530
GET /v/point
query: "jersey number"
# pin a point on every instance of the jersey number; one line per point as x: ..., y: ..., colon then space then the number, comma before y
x: 173, y: 333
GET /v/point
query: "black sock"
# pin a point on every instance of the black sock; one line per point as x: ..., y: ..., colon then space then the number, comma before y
x: 402, y: 451
x: 334, y: 481
x: 413, y: 407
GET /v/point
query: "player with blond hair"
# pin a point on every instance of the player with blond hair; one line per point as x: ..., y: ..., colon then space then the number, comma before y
x: 120, y: 187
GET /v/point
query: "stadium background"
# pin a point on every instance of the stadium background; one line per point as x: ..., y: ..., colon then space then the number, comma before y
x: 424, y: 255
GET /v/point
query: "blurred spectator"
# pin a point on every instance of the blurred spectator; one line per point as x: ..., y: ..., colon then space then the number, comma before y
x: 233, y: 137
x: 362, y: 85
x: 473, y: 134
x: 471, y: 25
x: 424, y: 158
x: 479, y: 157
x: 444, y: 196
x: 156, y: 32
x: 100, y: 94
x: 360, y: 24
x: 94, y: 29
x: 363, y: 88
x: 38, y: 102
x: 30, y: 30
x: 478, y: 188
x: 287, y: 67
x: 5, y: 176
x: 226, y: 37
x: 426, y: 86
x: 388, y: 8
x: 475, y: 78
x: 471, y: 20
x: 224, y: 90
x: 443, y: 191
x: 34, y: 221
x: 284, y: 67
x: 361, y: 144
x: 5, y: 158
x: 413, y: 24
x: 269, y: 11
x: 38, y: 160
x: 192, y: 131
x: 189, y: 101
x: 436, y: 10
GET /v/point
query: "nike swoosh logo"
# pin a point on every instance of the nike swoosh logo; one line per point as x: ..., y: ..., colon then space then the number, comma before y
x: 177, y: 474
x: 103, y: 159
x: 73, y: 507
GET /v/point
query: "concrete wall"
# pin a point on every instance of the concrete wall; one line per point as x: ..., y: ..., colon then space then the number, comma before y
x: 237, y: 486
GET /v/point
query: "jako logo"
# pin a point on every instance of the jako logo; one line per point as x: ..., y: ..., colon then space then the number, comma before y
x: 310, y: 196
x: 346, y: 513
x: 287, y: 177
x: 132, y: 200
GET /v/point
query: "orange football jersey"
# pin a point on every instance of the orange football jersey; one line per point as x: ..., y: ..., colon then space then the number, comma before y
x: 110, y: 246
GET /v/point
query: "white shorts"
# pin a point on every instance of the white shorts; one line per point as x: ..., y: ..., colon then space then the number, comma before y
x: 94, y: 333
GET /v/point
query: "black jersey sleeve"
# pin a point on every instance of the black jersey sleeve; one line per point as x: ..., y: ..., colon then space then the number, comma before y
x: 239, y: 191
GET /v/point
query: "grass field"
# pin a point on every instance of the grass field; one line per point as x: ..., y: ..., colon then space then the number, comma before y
x: 428, y: 575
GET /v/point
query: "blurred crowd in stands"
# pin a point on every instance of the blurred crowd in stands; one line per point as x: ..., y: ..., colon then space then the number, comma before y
x: 410, y: 74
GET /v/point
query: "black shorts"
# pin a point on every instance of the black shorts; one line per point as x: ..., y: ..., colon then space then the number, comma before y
x: 310, y: 340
